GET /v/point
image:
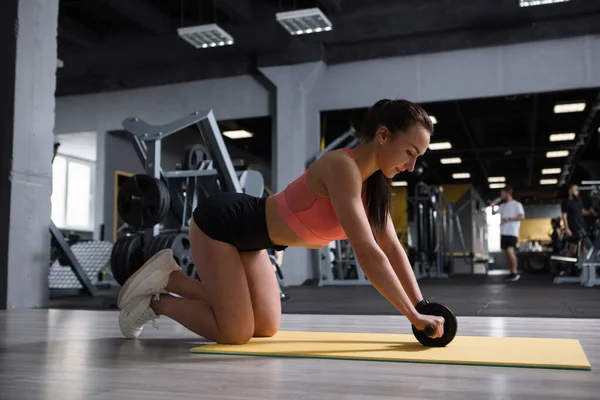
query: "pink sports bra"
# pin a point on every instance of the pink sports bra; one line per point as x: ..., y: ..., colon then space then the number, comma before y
x: 309, y: 215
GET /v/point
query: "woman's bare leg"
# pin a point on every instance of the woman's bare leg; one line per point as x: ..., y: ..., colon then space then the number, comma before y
x: 227, y: 316
x: 186, y: 287
x: 264, y: 292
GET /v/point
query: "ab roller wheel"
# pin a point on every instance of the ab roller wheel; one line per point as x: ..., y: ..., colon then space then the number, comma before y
x: 450, y: 325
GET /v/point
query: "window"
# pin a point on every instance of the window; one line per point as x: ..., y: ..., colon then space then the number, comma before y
x: 493, y: 228
x: 72, y: 190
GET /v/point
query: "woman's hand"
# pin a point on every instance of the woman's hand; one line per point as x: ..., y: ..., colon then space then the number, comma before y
x: 424, y: 320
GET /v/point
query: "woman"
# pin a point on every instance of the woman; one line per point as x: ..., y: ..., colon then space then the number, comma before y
x: 345, y: 194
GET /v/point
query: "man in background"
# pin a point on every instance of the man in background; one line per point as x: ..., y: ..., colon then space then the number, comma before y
x: 512, y: 213
x: 572, y: 216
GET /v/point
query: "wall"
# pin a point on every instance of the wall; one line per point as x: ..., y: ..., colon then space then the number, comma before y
x: 229, y: 98
x: 482, y: 72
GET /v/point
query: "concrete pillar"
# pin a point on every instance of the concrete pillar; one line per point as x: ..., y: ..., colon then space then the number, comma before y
x: 296, y: 137
x: 28, y: 30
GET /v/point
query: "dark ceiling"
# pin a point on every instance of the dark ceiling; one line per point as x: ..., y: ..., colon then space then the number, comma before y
x: 123, y: 44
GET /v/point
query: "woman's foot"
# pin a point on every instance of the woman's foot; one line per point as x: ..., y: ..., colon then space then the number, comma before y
x: 136, y: 314
x: 150, y: 280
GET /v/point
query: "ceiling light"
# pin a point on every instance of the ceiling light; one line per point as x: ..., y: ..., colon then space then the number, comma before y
x: 497, y: 185
x: 590, y: 182
x: 557, y: 153
x: 496, y: 179
x: 461, y: 175
x: 549, y: 181
x: 568, y: 108
x: 440, y: 146
x: 204, y: 36
x: 562, y: 137
x: 451, y: 160
x: 533, y: 3
x: 238, y: 134
x: 399, y: 183
x: 299, y: 22
x: 433, y: 119
x: 551, y: 171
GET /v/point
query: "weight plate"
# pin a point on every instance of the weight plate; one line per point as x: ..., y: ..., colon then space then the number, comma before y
x: 143, y: 201
x: 154, y: 246
x: 450, y: 325
x: 182, y: 253
x: 115, y: 260
x: 134, y: 254
x: 193, y: 157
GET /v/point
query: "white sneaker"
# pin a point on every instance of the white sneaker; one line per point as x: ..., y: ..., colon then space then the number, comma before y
x: 135, y: 316
x: 151, y: 279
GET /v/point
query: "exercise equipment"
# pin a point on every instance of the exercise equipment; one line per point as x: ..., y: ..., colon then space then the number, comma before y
x: 450, y: 324
x: 587, y: 262
x: 338, y: 265
x: 143, y: 201
x: 347, y: 139
x: 127, y: 256
x: 179, y: 243
x: 65, y: 257
x: 92, y: 258
x: 449, y: 238
x: 466, y: 350
x: 194, y: 156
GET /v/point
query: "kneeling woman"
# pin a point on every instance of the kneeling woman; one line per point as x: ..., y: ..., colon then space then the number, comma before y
x: 346, y: 194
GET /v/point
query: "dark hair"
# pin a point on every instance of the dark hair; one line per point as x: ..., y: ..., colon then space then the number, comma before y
x: 508, y: 189
x: 397, y: 116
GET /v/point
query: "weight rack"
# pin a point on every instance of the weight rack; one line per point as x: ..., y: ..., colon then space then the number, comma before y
x: 147, y: 142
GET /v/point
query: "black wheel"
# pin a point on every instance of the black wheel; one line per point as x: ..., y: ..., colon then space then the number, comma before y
x: 450, y: 325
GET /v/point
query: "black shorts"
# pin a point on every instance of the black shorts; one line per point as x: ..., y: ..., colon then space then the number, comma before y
x: 235, y: 218
x: 507, y: 241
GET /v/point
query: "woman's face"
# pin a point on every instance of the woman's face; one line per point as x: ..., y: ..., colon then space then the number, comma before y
x: 399, y: 152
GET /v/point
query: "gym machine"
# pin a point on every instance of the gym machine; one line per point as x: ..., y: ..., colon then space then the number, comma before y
x: 144, y: 200
x: 438, y: 226
x: 470, y: 214
x: 587, y: 262
x: 338, y: 265
x: 347, y: 139
x: 433, y: 232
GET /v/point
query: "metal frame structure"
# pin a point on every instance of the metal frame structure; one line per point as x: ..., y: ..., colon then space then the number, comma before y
x: 326, y: 276
x: 78, y: 271
x: 350, y: 134
x: 147, y: 142
x: 475, y: 250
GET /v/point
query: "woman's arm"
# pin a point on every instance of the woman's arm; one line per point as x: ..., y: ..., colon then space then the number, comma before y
x: 344, y: 184
x: 391, y: 246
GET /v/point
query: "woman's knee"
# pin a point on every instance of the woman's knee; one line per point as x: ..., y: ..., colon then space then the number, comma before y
x: 235, y: 334
x: 267, y: 326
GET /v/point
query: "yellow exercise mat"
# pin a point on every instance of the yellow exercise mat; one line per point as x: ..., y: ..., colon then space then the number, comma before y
x: 466, y: 350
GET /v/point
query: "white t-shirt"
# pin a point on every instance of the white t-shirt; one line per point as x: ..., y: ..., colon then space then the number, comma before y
x: 510, y: 209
